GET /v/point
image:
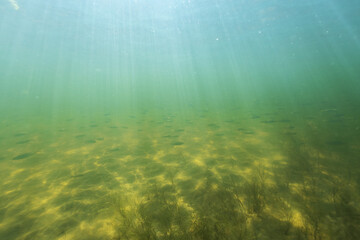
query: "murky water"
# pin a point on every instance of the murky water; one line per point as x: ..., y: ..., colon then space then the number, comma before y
x: 179, y: 120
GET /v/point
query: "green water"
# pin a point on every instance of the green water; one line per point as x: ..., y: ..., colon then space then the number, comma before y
x: 179, y: 119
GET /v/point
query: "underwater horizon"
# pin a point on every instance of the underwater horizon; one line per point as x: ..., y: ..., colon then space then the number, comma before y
x: 189, y: 119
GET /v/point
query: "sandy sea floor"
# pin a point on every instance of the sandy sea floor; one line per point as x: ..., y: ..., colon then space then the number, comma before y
x: 266, y: 173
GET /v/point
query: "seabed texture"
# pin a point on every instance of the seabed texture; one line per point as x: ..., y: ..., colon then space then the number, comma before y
x: 235, y: 174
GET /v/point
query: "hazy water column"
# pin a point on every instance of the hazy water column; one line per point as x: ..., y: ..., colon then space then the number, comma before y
x: 130, y: 53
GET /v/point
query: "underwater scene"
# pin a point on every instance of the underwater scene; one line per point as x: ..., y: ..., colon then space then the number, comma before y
x: 179, y: 119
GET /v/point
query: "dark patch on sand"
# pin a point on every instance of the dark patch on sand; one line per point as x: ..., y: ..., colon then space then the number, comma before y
x: 335, y: 143
x: 269, y: 121
x: 23, y: 156
x: 22, y: 142
x: 19, y: 134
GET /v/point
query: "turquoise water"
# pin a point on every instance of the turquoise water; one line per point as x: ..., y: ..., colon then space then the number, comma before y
x: 179, y: 119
